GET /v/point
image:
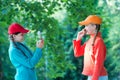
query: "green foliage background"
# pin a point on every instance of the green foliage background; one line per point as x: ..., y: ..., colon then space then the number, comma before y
x: 58, y: 61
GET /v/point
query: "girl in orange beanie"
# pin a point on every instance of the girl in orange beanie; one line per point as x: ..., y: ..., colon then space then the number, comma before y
x: 93, y: 50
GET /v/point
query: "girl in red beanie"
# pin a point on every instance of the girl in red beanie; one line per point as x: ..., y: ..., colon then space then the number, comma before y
x: 22, y: 58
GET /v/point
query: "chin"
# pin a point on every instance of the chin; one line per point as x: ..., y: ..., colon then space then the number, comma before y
x: 87, y: 33
x: 21, y: 40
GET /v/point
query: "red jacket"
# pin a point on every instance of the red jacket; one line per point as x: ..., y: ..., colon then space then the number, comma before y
x: 94, y: 56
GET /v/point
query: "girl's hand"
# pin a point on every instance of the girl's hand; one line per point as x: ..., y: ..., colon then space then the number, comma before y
x: 40, y: 43
x: 81, y: 34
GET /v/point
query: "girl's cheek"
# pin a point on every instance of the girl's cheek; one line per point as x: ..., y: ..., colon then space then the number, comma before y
x: 88, y: 32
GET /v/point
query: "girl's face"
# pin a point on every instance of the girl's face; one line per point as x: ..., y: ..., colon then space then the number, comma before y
x: 90, y: 29
x: 19, y: 37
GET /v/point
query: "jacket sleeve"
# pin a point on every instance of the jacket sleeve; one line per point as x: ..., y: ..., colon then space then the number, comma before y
x: 100, y: 54
x: 27, y: 62
x: 78, y: 48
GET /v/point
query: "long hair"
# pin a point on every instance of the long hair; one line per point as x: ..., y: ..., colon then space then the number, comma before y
x: 97, y: 30
x: 12, y: 38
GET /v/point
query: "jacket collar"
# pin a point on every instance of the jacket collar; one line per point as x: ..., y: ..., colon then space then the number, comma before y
x: 17, y: 43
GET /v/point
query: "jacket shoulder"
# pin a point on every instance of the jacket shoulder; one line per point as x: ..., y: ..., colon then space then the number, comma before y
x: 99, y: 40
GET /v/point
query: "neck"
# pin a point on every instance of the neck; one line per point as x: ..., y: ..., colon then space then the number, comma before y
x: 93, y: 35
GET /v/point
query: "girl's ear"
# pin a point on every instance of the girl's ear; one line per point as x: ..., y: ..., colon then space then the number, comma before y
x: 14, y: 36
x: 95, y: 26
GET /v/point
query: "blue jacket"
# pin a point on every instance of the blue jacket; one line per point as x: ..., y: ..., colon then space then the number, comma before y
x: 24, y: 61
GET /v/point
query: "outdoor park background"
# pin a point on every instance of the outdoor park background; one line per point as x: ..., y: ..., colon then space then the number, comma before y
x: 58, y: 22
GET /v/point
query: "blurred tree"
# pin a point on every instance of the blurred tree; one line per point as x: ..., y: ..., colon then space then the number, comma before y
x: 114, y: 51
x: 58, y: 62
x: 112, y: 40
x: 1, y: 72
